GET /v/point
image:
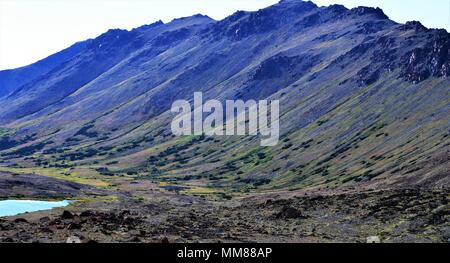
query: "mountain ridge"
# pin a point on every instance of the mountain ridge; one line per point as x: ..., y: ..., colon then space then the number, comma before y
x: 357, y: 90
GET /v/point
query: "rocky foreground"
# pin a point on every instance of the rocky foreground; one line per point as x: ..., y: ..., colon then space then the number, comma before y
x: 408, y: 215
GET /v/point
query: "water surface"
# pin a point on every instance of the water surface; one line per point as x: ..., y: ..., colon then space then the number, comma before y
x: 15, y: 207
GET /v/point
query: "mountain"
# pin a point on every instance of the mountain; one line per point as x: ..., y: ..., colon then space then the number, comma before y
x: 11, y: 80
x: 364, y: 102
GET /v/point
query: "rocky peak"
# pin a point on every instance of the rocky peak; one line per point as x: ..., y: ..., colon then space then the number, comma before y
x: 297, y: 4
x: 432, y: 59
x: 153, y: 25
x: 376, y: 13
x: 112, y: 38
x: 243, y: 24
x: 292, y: 8
x: 194, y: 18
x: 323, y: 15
x: 337, y: 9
x: 413, y: 25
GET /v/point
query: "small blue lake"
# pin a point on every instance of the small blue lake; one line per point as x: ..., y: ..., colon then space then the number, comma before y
x: 15, y: 207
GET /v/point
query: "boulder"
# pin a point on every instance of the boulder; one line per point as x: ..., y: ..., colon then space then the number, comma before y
x: 289, y: 212
x: 67, y: 215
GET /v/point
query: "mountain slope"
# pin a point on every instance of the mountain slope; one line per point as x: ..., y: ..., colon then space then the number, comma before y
x: 365, y: 101
x: 11, y: 80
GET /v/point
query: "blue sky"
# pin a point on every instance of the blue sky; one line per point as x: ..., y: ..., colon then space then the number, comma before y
x: 33, y: 29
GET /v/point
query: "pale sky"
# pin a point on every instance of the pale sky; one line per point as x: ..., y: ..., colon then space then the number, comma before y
x: 34, y: 29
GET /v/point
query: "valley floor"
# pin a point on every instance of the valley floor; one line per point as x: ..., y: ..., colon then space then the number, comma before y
x: 141, y: 212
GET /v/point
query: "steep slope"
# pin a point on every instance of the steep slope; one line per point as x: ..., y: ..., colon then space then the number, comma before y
x: 13, y: 79
x: 364, y: 101
x: 100, y: 56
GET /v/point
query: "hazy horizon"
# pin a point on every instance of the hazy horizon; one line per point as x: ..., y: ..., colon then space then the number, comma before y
x: 37, y: 19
